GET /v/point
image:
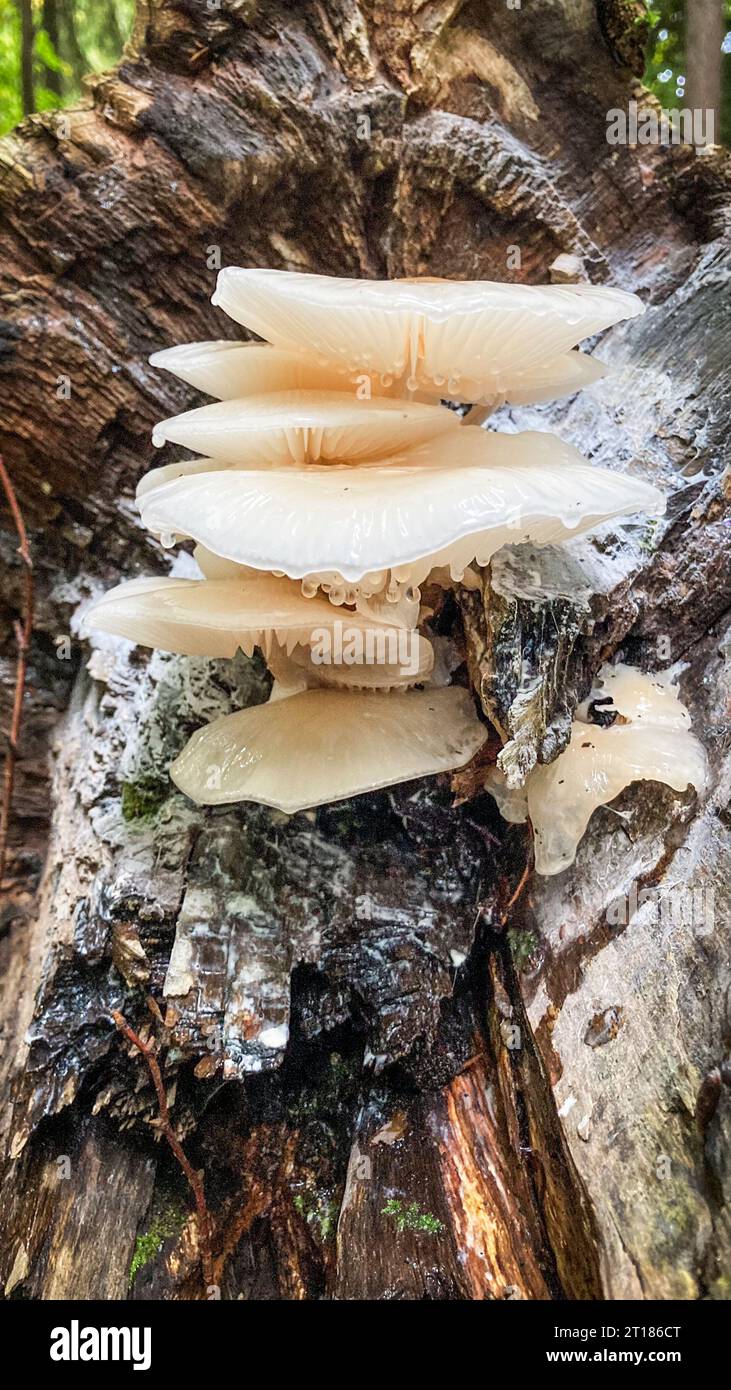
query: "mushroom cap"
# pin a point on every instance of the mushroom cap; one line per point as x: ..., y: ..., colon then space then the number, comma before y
x: 561, y: 376
x: 655, y: 746
x: 326, y: 745
x: 215, y: 566
x: 182, y: 468
x: 435, y: 331
x: 230, y: 371
x: 638, y: 697
x: 494, y: 490
x: 305, y: 427
x: 214, y: 617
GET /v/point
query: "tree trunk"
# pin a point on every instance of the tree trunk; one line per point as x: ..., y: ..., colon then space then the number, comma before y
x: 26, y: 56
x: 396, y: 1082
x: 52, y: 77
x: 705, y: 30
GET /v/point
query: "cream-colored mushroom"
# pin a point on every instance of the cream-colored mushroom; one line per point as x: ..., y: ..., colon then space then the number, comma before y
x: 494, y: 490
x: 216, y: 617
x: 215, y: 567
x: 561, y: 376
x: 305, y: 427
x: 330, y: 469
x: 432, y: 332
x: 230, y: 371
x: 650, y: 740
x: 326, y: 745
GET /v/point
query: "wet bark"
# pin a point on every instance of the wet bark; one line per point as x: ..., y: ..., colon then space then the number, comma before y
x: 396, y: 1083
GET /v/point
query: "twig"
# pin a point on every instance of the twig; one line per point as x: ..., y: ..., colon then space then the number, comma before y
x: 512, y: 900
x: 23, y: 633
x: 195, y: 1181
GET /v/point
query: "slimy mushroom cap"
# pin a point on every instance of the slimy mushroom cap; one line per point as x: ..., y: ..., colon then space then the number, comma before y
x: 653, y: 744
x: 326, y: 745
x: 230, y: 370
x: 216, y: 617
x: 493, y: 490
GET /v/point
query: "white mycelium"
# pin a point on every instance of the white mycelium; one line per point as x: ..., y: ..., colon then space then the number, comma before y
x: 332, y: 483
x: 644, y: 736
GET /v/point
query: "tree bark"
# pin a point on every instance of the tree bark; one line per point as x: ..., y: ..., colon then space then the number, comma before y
x: 399, y: 1079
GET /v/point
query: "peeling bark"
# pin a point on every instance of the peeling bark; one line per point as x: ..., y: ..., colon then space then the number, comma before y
x: 395, y: 1090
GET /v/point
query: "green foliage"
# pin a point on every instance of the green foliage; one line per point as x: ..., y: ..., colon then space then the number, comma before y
x: 10, y: 105
x: 70, y: 39
x: 411, y: 1217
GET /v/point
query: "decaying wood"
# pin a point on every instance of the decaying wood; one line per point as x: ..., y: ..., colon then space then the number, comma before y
x: 23, y: 633
x: 400, y: 1078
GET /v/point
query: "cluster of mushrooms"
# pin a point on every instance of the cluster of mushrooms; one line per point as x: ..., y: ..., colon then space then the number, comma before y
x: 332, y: 481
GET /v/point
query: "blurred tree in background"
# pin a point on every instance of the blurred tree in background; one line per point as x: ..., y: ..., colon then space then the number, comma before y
x: 691, y: 46
x: 48, y: 46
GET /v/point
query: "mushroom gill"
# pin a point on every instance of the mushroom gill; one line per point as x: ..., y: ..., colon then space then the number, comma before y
x: 644, y: 735
x: 326, y: 745
x: 428, y: 332
x: 232, y: 371
x: 344, y: 656
x: 304, y: 427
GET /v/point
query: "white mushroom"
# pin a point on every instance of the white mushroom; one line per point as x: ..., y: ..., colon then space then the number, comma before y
x: 230, y: 371
x: 329, y: 462
x: 560, y: 376
x: 214, y: 566
x: 216, y: 617
x: 305, y: 427
x: 493, y: 490
x: 429, y: 332
x: 650, y: 740
x: 325, y: 745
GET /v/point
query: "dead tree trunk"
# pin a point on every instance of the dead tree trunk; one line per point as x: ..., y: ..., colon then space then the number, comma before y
x: 395, y: 1084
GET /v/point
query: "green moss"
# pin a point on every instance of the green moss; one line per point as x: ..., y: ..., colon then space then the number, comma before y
x: 523, y: 944
x: 143, y: 798
x: 411, y: 1217
x: 318, y: 1210
x: 167, y: 1223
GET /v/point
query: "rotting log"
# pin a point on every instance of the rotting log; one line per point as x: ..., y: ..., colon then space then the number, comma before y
x: 395, y: 1085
